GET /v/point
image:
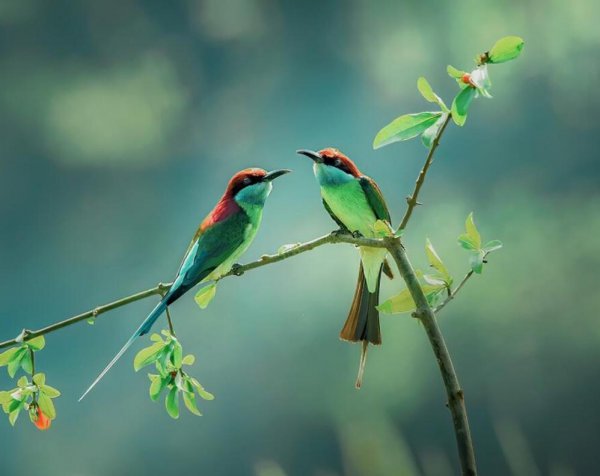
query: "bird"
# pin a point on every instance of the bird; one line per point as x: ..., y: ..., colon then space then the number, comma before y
x: 222, y: 237
x: 355, y: 203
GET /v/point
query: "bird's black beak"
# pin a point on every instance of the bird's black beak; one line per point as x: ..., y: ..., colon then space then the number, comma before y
x: 311, y: 155
x: 274, y: 174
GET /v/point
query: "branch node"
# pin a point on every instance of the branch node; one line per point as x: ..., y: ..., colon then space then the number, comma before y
x: 23, y: 335
x: 237, y: 270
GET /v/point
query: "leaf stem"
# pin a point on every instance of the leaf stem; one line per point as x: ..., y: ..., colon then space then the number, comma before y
x: 411, y: 200
x: 170, y: 322
x: 452, y: 294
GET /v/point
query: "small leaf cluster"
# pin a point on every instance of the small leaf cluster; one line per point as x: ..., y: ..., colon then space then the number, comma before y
x: 471, y: 241
x: 439, y: 280
x: 167, y: 356
x: 22, y: 356
x: 472, y: 85
x: 35, y: 397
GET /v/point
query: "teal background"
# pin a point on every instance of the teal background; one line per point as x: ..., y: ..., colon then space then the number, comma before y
x: 120, y: 124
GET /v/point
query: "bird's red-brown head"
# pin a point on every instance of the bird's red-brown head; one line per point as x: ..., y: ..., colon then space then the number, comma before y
x: 247, y: 177
x: 334, y: 158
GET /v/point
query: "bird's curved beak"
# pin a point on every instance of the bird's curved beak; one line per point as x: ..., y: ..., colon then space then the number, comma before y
x: 315, y: 156
x: 274, y: 174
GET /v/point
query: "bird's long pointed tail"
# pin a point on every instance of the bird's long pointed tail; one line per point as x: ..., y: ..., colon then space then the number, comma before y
x: 362, y: 324
x: 143, y: 329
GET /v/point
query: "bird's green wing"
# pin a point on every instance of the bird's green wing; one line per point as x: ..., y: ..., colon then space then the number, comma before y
x: 334, y: 217
x: 375, y: 198
x: 212, y: 247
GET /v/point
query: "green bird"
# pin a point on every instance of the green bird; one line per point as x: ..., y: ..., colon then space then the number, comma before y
x: 355, y: 203
x: 222, y: 237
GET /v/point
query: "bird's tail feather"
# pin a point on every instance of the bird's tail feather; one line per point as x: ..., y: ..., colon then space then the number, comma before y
x: 144, y: 328
x: 362, y: 324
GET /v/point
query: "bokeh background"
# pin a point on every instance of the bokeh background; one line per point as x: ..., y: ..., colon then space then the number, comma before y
x: 120, y: 124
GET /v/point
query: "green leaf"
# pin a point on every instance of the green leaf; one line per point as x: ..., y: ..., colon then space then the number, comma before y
x: 188, y: 360
x: 405, y: 127
x: 427, y: 92
x: 147, y: 355
x: 472, y: 231
x: 22, y: 382
x: 177, y: 355
x: 476, y: 261
x: 7, y: 356
x: 201, y: 391
x: 189, y: 399
x: 37, y: 343
x: 403, y: 301
x: 455, y: 73
x: 205, y: 295
x: 27, y: 362
x: 434, y: 280
x: 15, y: 362
x: 46, y: 406
x: 49, y: 391
x: 492, y: 246
x: 39, y: 378
x: 435, y: 261
x: 434, y: 296
x: 12, y: 417
x: 164, y: 357
x: 5, y: 397
x: 172, y: 403
x: 431, y: 132
x: 465, y: 241
x: 156, y: 338
x: 460, y: 105
x: 157, y: 386
x: 505, y: 49
x: 382, y: 229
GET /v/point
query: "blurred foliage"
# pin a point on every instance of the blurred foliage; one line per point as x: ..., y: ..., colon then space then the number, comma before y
x: 120, y: 124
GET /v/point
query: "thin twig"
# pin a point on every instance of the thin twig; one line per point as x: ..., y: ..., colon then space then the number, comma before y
x: 170, y: 322
x: 160, y: 289
x: 411, y: 200
x: 456, y: 400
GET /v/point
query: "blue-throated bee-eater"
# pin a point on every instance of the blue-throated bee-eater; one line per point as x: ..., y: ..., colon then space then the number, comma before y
x: 355, y: 203
x: 223, y: 236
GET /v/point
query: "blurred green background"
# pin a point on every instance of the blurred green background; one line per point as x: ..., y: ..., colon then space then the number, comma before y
x: 120, y: 124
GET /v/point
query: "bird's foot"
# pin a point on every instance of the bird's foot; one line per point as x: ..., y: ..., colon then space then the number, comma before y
x: 237, y: 270
x: 357, y: 234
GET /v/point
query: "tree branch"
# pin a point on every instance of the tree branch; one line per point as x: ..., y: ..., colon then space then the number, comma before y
x: 456, y: 401
x: 411, y: 200
x: 160, y: 289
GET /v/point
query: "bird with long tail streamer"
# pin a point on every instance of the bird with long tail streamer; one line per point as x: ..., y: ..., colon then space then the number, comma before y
x: 355, y: 203
x: 223, y: 236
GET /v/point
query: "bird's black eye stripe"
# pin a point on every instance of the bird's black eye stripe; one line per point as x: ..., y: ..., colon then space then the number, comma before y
x: 246, y: 182
x: 336, y: 162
